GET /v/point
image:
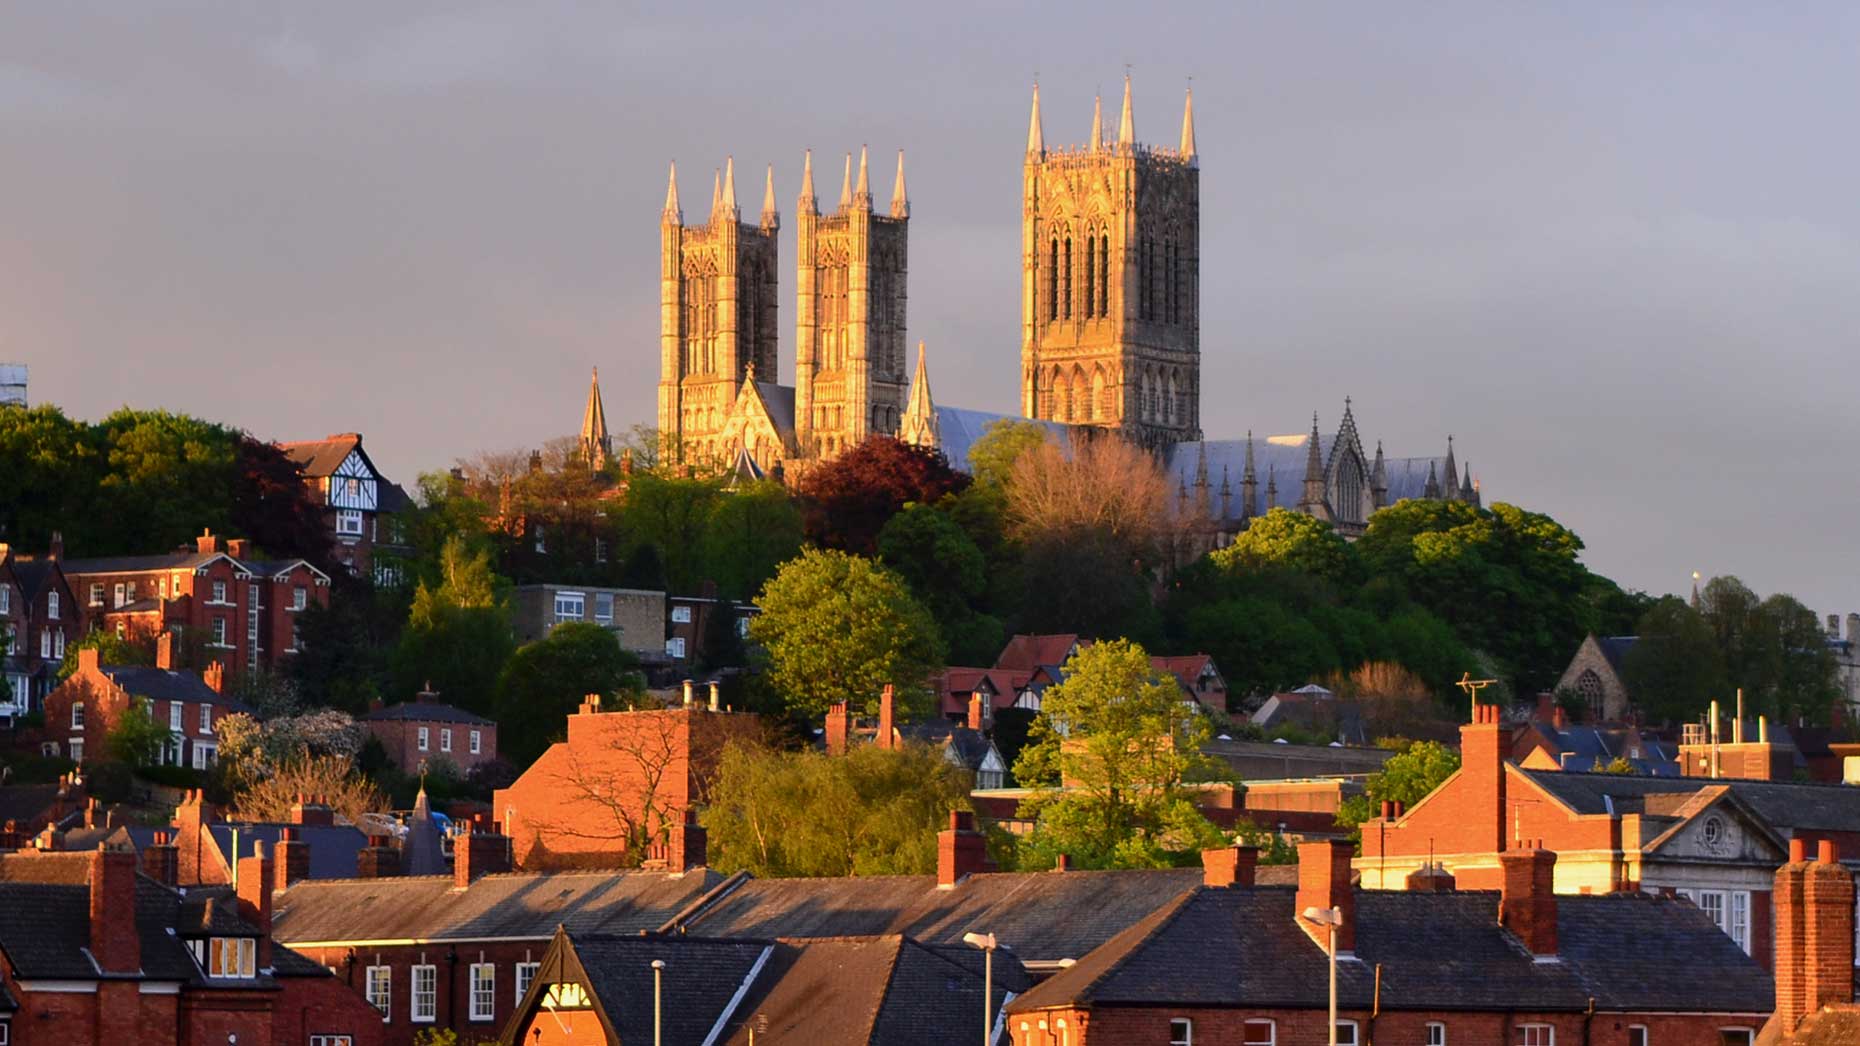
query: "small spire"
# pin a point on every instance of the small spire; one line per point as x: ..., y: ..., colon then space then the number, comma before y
x: 1249, y: 475
x: 919, y: 425
x: 1432, y: 490
x: 1314, y: 472
x: 900, y: 201
x: 1451, y: 470
x: 596, y: 445
x: 1126, y: 128
x: 672, y: 212
x: 716, y: 190
x: 1036, y: 137
x: 1249, y: 482
x: 807, y: 204
x: 1272, y: 485
x: 1096, y: 142
x: 862, y: 193
x: 1188, y: 127
x: 846, y: 185
x: 729, y: 186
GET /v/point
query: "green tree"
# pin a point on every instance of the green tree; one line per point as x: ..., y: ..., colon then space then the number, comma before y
x: 1287, y: 540
x: 1112, y: 753
x: 167, y: 477
x: 111, y: 649
x: 751, y: 531
x: 135, y: 738
x: 1677, y: 666
x: 1409, y: 776
x: 871, y: 811
x: 1001, y: 444
x: 840, y: 627
x: 544, y: 682
x: 948, y: 573
x: 671, y: 515
x: 52, y: 471
x: 458, y: 633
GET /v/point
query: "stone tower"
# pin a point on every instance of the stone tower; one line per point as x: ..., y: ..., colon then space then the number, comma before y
x: 1110, y: 264
x: 850, y: 378
x: 717, y: 315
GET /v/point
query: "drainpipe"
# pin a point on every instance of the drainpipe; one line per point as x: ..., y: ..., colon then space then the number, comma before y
x: 452, y: 986
x: 1375, y: 1005
x: 1588, y: 1015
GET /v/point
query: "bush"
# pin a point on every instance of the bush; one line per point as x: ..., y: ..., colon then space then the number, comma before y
x: 170, y: 776
x: 109, y: 782
x: 37, y: 769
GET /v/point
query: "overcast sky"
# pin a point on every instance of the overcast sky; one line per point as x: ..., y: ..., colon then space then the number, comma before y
x: 1611, y: 247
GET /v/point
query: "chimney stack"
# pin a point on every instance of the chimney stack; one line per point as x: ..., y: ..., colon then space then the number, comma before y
x: 164, y: 651
x: 57, y: 551
x: 1527, y: 899
x: 1324, y: 882
x: 1482, y: 752
x: 292, y: 862
x: 476, y: 854
x: 839, y: 728
x: 311, y: 810
x: 377, y: 860
x: 961, y: 851
x: 115, y: 944
x: 887, y: 733
x: 215, y: 677
x: 255, y: 881
x: 206, y: 542
x: 1814, y: 933
x: 160, y: 860
x: 238, y: 547
x: 975, y: 712
x: 1229, y: 866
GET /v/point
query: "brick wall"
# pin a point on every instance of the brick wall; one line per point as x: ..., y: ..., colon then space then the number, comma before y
x: 453, y: 962
x: 1149, y: 1026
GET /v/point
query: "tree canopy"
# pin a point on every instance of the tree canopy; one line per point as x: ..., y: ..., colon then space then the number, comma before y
x: 545, y: 681
x: 849, y: 499
x: 458, y: 633
x: 1286, y: 540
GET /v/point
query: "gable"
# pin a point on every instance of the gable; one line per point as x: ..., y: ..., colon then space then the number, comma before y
x: 1722, y: 831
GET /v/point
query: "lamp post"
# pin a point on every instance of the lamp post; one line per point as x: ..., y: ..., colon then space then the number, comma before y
x: 1330, y: 919
x: 986, y: 942
x: 658, y: 976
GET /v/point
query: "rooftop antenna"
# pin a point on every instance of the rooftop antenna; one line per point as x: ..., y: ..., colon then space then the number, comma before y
x: 1473, y: 686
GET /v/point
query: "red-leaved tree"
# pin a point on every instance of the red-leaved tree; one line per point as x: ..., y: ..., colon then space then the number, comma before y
x: 849, y: 499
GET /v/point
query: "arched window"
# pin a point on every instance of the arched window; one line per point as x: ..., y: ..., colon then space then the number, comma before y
x: 1104, y: 274
x: 1589, y: 685
x: 1065, y: 280
x: 1100, y: 397
x: 1052, y: 283
x: 1091, y: 276
x: 1349, y: 489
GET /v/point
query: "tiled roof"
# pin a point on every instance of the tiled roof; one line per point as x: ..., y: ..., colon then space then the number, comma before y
x: 1787, y: 806
x: 162, y: 684
x: 1435, y: 951
x: 429, y: 712
x: 24, y: 803
x: 703, y: 976
x: 33, y: 574
x: 1025, y: 653
x: 332, y: 846
x: 321, y: 457
x: 512, y: 905
x: 185, y: 559
x: 46, y: 933
x: 1042, y: 916
x: 62, y: 867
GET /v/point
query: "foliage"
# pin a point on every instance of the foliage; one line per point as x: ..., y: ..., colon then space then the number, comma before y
x: 1394, y: 702
x: 544, y: 681
x: 750, y: 532
x: 850, y: 498
x: 333, y: 777
x: 871, y: 811
x: 672, y: 516
x: 1096, y: 486
x: 252, y: 750
x: 110, y: 782
x: 135, y: 738
x: 993, y: 456
x: 436, y: 1037
x: 1086, y: 580
x: 1407, y: 778
x: 1618, y: 765
x: 1676, y: 666
x: 346, y: 646
x: 1113, y: 751
x: 271, y: 694
x: 840, y: 627
x: 1773, y: 649
x: 1287, y: 540
x: 111, y: 649
x: 949, y: 575
x: 458, y: 634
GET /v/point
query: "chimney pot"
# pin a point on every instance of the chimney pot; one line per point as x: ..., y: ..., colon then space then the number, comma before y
x: 716, y: 696
x: 1798, y: 850
x: 1827, y: 853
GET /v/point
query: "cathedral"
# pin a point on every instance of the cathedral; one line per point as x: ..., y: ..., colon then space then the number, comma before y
x: 1110, y: 334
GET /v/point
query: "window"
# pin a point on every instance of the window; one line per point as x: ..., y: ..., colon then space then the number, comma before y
x: 425, y: 738
x: 77, y: 715
x: 58, y: 645
x: 176, y: 709
x: 299, y: 598
x: 320, y: 1040
x: 161, y: 586
x: 603, y: 607
x: 6, y: 1032
x: 1346, y: 1033
x: 1637, y: 1035
x: 681, y: 615
x: 203, y: 755
x: 231, y: 957
x: 129, y: 591
x: 541, y: 547
x: 206, y: 718
x: 1259, y: 1033
x: 380, y: 988
x: 51, y: 605
x: 1181, y: 1032
x: 477, y: 742
x: 675, y: 647
x: 1739, y: 927
x: 1536, y: 1035
x: 570, y: 606
x: 96, y: 593
x: 116, y: 595
x: 77, y: 749
x: 483, y: 991
x: 219, y: 631
x: 1712, y: 831
x: 742, y: 628
x: 600, y: 550
x: 45, y: 643
x: 425, y: 993
x: 1437, y: 1034
x: 6, y: 599
x: 219, y: 592
x: 1736, y: 1036
x: 526, y: 972
x: 349, y: 522
x: 445, y: 739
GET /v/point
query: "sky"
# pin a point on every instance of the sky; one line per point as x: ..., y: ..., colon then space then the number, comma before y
x: 1612, y: 248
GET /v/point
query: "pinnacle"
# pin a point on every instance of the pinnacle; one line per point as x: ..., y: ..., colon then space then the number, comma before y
x: 1126, y: 127
x: 768, y: 194
x: 1096, y: 142
x: 846, y: 185
x: 671, y: 196
x: 1188, y: 127
x: 862, y: 195
x: 729, y: 184
x: 900, y: 200
x: 716, y: 191
x: 1036, y: 138
x: 807, y: 182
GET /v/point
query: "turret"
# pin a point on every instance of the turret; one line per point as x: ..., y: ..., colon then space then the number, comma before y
x: 1379, y: 480
x: 1313, y: 499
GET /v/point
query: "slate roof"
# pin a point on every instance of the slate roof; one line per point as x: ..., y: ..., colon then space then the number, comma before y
x: 779, y: 400
x: 1786, y: 806
x: 1437, y: 951
x: 182, y: 559
x: 1615, y: 649
x: 321, y: 457
x: 701, y: 978
x: 24, y: 803
x: 958, y: 429
x: 1284, y: 458
x: 274, y: 567
x: 33, y: 574
x: 332, y: 846
x: 428, y: 712
x: 970, y: 747
x: 509, y: 905
x: 1042, y: 916
x: 161, y: 684
x: 46, y: 933
x: 1580, y: 749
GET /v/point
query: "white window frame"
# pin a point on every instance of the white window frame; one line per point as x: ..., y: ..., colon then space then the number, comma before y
x: 177, y: 713
x: 206, y: 718
x: 378, y: 986
x: 77, y: 715
x: 1642, y: 1029
x: 445, y: 739
x: 219, y: 593
x: 219, y: 632
x: 542, y: 547
x: 526, y: 974
x: 1350, y: 1029
x: 681, y: 615
x: 238, y: 954
x: 603, y: 607
x: 45, y: 644
x: 349, y: 522
x: 1181, y: 1031
x: 1436, y: 1033
x: 423, y: 1004
x: 203, y: 755
x: 76, y: 749
x: 324, y: 1039
x: 116, y: 595
x: 477, y: 742
x: 1272, y: 1031
x: 675, y: 646
x: 571, y: 606
x: 1536, y: 1035
x: 6, y: 607
x: 58, y: 645
x: 1737, y: 916
x: 300, y: 597
x: 96, y: 593
x: 483, y: 991
x: 426, y: 739
x: 51, y: 605
x: 6, y: 1030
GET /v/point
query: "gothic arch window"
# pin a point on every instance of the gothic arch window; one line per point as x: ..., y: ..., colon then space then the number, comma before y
x: 1065, y: 281
x: 1589, y: 685
x: 1104, y: 273
x: 1101, y: 397
x: 1079, y: 406
x: 1349, y: 492
x: 1172, y: 405
x: 1091, y: 276
x: 1052, y: 283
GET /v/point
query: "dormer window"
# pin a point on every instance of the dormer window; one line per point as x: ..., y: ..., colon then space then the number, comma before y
x: 234, y: 957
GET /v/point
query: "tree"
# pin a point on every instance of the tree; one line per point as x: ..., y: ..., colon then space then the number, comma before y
x: 331, y: 777
x: 949, y: 575
x: 545, y: 681
x: 1394, y: 701
x: 251, y: 750
x: 167, y: 476
x: 671, y: 515
x: 458, y: 634
x: 1112, y: 752
x: 871, y: 811
x: 849, y: 499
x: 993, y: 456
x: 841, y: 627
x: 1287, y: 540
x: 272, y: 507
x: 135, y: 738
x: 1100, y: 485
x: 111, y: 649
x: 1409, y: 776
x: 750, y: 532
x: 52, y: 472
x: 1676, y: 667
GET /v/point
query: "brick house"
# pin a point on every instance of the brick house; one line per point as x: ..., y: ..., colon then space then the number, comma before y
x: 636, y: 616
x: 1234, y: 962
x: 618, y: 774
x: 85, y: 707
x: 688, y: 621
x: 1715, y: 841
x: 39, y: 616
x: 1030, y: 663
x: 360, y: 506
x: 92, y: 951
x: 243, y: 611
x: 412, y: 732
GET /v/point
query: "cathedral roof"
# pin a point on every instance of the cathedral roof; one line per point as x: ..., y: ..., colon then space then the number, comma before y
x: 1288, y: 455
x: 958, y: 429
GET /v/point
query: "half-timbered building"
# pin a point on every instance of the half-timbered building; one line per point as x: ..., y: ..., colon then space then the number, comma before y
x: 360, y: 506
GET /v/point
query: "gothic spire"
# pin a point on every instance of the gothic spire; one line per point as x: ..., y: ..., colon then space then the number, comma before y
x: 770, y: 216
x: 1188, y: 127
x: 1249, y: 482
x: 900, y: 200
x: 919, y: 424
x: 672, y: 213
x: 1096, y: 142
x: 846, y: 184
x: 1379, y: 480
x: 1466, y: 485
x: 1201, y: 478
x: 1227, y: 495
x: 1432, y: 490
x: 862, y: 194
x: 729, y: 187
x: 1314, y: 472
x: 807, y: 204
x: 595, y: 442
x: 1126, y: 128
x: 1452, y: 472
x: 716, y: 191
x: 1272, y: 485
x: 1036, y: 137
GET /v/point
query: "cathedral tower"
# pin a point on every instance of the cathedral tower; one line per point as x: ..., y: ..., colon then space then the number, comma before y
x: 1110, y: 274
x: 717, y: 315
x: 850, y: 378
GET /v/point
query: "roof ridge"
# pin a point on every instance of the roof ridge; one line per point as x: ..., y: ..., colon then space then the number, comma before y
x: 1163, y: 918
x: 891, y: 972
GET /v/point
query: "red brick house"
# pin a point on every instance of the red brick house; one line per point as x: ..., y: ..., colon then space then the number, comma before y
x: 618, y: 774
x: 1029, y: 663
x: 243, y: 611
x: 39, y: 616
x: 94, y: 952
x: 360, y: 506
x: 415, y: 731
x: 86, y: 706
x: 1237, y: 963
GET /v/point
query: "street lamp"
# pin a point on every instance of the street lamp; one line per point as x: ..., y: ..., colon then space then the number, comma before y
x: 658, y: 975
x: 986, y: 942
x: 1330, y: 918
